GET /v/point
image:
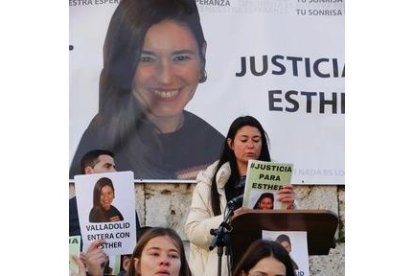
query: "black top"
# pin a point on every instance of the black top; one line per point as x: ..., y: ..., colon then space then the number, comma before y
x: 238, y: 190
x: 153, y: 155
x: 100, y: 215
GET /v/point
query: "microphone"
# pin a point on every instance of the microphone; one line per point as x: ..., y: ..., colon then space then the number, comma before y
x: 235, y: 201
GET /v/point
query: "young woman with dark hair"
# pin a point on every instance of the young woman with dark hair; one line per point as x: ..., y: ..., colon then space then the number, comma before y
x: 221, y: 182
x: 103, y: 195
x: 265, y: 258
x: 265, y: 202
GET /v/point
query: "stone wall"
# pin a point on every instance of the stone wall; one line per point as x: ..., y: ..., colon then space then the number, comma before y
x: 168, y: 205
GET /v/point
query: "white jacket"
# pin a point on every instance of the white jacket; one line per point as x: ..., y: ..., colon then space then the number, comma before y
x: 201, y: 219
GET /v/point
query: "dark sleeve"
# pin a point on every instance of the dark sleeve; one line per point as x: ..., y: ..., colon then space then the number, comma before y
x: 295, y: 265
x: 113, y: 212
x: 74, y: 227
x: 93, y: 216
x: 121, y: 217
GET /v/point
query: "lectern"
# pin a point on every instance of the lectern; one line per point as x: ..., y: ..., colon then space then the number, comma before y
x: 320, y: 226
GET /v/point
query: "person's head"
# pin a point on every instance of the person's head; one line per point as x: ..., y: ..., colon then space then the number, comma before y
x: 159, y: 250
x: 245, y: 140
x: 284, y: 240
x: 97, y: 161
x: 156, y: 50
x: 265, y: 201
x: 265, y: 258
x: 103, y: 193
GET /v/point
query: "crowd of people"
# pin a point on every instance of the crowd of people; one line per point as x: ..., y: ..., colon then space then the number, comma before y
x: 154, y: 59
x: 161, y: 249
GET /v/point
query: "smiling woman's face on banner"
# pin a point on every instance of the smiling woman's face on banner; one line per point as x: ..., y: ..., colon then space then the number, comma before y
x: 106, y: 197
x: 169, y: 69
x: 266, y: 203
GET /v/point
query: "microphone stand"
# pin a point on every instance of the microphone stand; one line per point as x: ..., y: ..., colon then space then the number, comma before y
x: 221, y: 236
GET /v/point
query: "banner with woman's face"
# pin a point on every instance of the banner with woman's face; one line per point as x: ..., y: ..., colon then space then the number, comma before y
x: 281, y: 61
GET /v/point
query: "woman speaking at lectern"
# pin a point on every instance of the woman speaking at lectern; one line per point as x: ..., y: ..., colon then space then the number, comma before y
x: 221, y: 182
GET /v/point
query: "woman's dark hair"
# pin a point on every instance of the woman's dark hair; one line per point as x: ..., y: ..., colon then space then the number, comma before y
x: 97, y: 208
x: 126, y: 34
x: 260, y: 249
x: 283, y: 238
x: 125, y: 119
x: 264, y: 195
x: 102, y: 182
x: 228, y: 156
x: 154, y: 232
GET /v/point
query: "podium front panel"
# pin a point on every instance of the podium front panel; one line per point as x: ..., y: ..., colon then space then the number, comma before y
x: 320, y: 226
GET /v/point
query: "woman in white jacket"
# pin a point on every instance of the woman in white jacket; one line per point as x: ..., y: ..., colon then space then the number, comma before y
x: 219, y: 183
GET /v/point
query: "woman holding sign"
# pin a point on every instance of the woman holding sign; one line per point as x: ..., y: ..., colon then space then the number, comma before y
x: 103, y: 195
x: 154, y: 59
x: 221, y: 182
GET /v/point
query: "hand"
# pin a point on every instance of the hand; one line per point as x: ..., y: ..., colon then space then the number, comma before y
x: 95, y: 258
x: 287, y: 195
x: 82, y: 269
x: 241, y: 210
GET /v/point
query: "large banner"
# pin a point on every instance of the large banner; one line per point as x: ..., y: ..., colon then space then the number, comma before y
x: 281, y: 61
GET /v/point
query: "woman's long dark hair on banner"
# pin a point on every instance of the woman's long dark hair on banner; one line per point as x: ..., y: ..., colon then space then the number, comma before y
x: 125, y: 123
